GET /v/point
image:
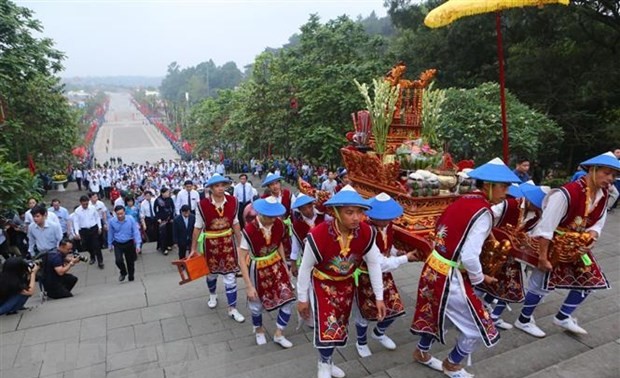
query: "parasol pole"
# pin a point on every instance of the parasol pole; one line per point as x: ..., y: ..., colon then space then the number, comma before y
x: 502, y: 79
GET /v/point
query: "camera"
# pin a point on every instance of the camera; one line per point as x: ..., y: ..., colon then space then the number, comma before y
x: 81, y: 257
x: 32, y: 263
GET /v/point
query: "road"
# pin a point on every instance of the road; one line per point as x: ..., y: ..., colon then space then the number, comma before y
x: 128, y: 135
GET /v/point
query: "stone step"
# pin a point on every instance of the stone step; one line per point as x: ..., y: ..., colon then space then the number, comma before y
x: 600, y: 362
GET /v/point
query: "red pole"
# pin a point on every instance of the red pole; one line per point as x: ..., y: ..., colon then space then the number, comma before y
x: 502, y: 86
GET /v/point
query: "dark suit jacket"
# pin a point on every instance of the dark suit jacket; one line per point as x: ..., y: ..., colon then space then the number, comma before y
x: 183, y: 236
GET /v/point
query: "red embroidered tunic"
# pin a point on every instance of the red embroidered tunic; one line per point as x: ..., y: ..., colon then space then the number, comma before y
x: 577, y: 275
x: 509, y: 286
x: 332, y: 280
x: 452, y: 230
x: 220, y: 250
x: 268, y: 271
x: 285, y: 200
x: 366, y: 301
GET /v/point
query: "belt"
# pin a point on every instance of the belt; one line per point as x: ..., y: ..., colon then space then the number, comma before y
x: 327, y: 277
x: 265, y: 261
x: 125, y: 242
x: 88, y: 228
x: 212, y: 235
x: 441, y: 264
x: 356, y: 275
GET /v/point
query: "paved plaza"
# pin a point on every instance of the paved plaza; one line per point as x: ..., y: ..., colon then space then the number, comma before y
x: 153, y: 327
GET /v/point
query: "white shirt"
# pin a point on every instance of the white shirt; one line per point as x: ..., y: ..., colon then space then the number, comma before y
x: 85, y: 218
x: 101, y: 209
x: 120, y: 201
x: 240, y: 188
x: 93, y: 185
x: 181, y: 199
x: 472, y: 247
x: 199, y: 223
x: 329, y: 186
x: 555, y: 206
x: 373, y: 259
x: 145, y: 210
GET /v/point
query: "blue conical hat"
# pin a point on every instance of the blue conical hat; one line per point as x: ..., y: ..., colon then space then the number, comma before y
x: 608, y: 159
x: 216, y: 179
x: 269, y: 207
x: 534, y: 194
x: 302, y: 200
x: 494, y: 171
x: 515, y: 191
x: 271, y: 177
x: 384, y: 207
x: 347, y: 196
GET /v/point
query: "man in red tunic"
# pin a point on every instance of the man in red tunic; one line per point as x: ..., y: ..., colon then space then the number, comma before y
x: 333, y: 252
x: 384, y: 210
x: 217, y: 216
x: 267, y: 278
x: 520, y: 211
x: 285, y: 198
x: 579, y: 206
x: 453, y: 269
x: 305, y: 217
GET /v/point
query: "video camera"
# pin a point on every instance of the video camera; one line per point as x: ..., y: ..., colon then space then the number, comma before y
x: 33, y: 263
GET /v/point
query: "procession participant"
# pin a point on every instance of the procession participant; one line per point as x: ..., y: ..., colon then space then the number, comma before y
x: 102, y: 210
x: 384, y: 210
x: 343, y: 179
x: 520, y: 211
x: 187, y: 196
x: 147, y: 216
x: 305, y: 217
x: 164, y: 212
x: 284, y: 197
x: 217, y: 216
x: 267, y: 278
x: 243, y: 193
x: 87, y: 229
x: 125, y: 241
x: 578, y: 206
x: 333, y: 251
x: 453, y: 268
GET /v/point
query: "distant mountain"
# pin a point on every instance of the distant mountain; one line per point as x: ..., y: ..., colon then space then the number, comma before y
x: 111, y: 82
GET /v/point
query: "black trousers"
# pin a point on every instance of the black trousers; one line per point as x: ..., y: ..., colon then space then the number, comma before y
x: 125, y: 252
x: 90, y: 242
x: 165, y: 236
x: 242, y: 206
x: 60, y: 286
x: 151, y: 229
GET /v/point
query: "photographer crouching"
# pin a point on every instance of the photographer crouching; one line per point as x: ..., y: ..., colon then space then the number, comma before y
x: 17, y: 283
x: 57, y: 263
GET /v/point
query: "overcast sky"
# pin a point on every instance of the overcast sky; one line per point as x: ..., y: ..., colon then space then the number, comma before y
x: 141, y: 37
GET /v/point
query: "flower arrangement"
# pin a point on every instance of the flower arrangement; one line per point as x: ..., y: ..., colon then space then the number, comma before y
x: 381, y: 109
x: 417, y: 154
x: 59, y: 177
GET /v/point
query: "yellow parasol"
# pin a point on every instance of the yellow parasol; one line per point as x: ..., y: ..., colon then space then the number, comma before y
x: 452, y: 10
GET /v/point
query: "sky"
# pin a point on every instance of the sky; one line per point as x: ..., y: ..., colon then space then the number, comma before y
x: 142, y: 37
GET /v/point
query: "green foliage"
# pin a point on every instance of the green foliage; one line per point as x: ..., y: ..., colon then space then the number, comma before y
x: 471, y: 125
x: 39, y: 120
x: 16, y: 185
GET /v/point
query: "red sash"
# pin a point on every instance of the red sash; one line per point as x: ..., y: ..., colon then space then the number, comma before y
x: 366, y: 301
x: 220, y: 252
x: 267, y: 269
x: 453, y: 227
x: 332, y: 281
x: 577, y: 275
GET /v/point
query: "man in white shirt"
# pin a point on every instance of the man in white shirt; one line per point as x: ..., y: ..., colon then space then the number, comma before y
x: 147, y: 216
x: 243, y: 193
x: 330, y: 184
x: 87, y: 227
x: 187, y: 196
x: 94, y: 184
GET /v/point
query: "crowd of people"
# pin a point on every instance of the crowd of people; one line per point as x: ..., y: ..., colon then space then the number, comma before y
x: 336, y: 262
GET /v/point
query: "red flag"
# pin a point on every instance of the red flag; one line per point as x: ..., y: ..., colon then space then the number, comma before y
x: 31, y: 165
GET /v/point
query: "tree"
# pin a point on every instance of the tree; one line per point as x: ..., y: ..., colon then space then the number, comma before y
x: 471, y: 126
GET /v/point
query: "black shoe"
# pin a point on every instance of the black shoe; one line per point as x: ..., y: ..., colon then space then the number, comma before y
x: 165, y: 252
x: 101, y: 266
x: 91, y: 262
x: 130, y: 278
x: 121, y: 278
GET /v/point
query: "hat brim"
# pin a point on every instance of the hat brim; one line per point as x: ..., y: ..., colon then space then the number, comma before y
x: 535, y: 195
x: 386, y: 211
x: 303, y: 202
x: 267, y: 209
x: 270, y: 180
x: 218, y: 180
x: 364, y: 205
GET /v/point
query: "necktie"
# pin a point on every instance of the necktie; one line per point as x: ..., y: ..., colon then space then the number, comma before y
x: 189, y: 200
x: 243, y: 193
x: 150, y: 209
